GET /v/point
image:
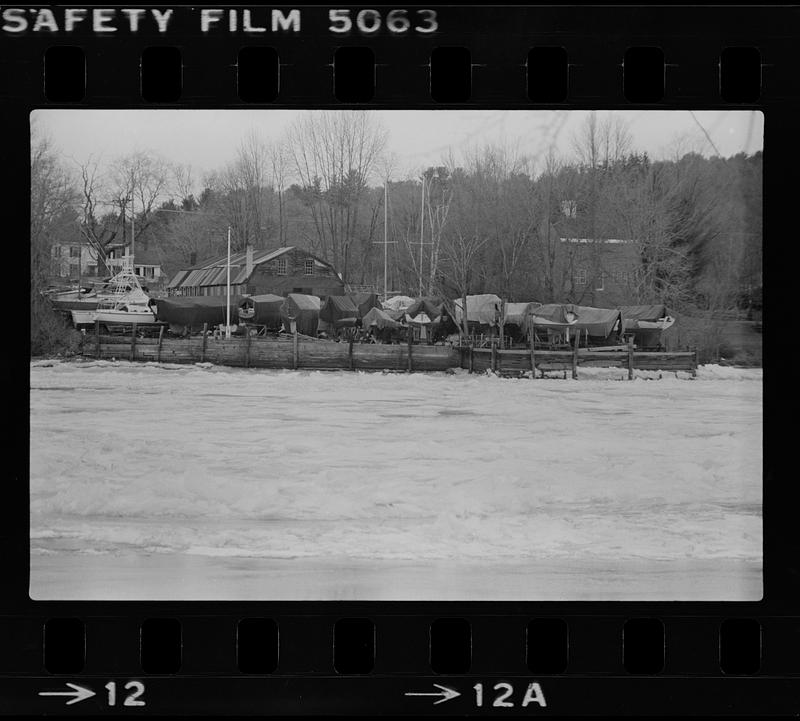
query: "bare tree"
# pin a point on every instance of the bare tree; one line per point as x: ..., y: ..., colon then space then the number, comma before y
x: 53, y: 194
x: 334, y: 154
x: 53, y: 200
x: 279, y: 160
x: 99, y: 227
x: 438, y: 196
x: 245, y: 189
x: 141, y: 179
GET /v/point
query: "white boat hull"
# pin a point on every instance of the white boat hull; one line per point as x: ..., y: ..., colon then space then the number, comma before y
x: 124, y: 317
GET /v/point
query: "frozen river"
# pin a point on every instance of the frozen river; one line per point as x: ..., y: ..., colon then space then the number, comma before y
x: 186, y: 482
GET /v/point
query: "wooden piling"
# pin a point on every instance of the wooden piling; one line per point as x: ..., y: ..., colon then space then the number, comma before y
x: 350, y: 354
x: 575, y: 347
x: 97, y: 338
x: 133, y: 342
x: 203, y: 348
x: 295, y: 348
x: 160, y: 340
x: 410, y: 343
x: 533, y: 357
x: 471, y: 359
x: 630, y: 358
x: 694, y: 369
x: 494, y: 356
x: 247, y: 348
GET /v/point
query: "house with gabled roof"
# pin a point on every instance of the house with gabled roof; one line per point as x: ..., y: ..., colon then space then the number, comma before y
x: 255, y: 272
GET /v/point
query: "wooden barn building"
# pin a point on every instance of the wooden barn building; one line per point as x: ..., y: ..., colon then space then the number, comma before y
x: 256, y: 272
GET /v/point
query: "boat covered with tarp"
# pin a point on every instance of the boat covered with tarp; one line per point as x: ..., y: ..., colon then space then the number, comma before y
x: 338, y: 311
x: 365, y: 302
x: 598, y: 323
x: 304, y: 310
x: 184, y: 313
x: 647, y: 323
x: 554, y: 315
x: 482, y: 310
x: 397, y: 302
x: 517, y: 319
x: 380, y: 319
x: 261, y: 310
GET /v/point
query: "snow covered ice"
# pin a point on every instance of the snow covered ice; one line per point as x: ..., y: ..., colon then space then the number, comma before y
x: 156, y: 481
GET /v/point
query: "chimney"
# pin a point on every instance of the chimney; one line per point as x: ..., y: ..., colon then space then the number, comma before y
x: 192, y: 258
x: 249, y: 260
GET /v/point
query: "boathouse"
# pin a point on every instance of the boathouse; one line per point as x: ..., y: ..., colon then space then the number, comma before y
x: 258, y: 272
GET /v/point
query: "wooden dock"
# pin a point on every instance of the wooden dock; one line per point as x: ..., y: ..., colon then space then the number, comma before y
x: 293, y: 352
x: 301, y: 352
x: 516, y: 362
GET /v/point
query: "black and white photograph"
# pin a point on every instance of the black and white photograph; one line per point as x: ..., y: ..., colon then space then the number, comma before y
x: 396, y: 355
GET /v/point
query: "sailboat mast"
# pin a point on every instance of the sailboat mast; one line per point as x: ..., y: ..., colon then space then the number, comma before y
x: 133, y: 233
x: 385, y: 237
x: 421, y: 229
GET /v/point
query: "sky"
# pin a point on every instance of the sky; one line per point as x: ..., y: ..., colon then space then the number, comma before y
x: 208, y: 139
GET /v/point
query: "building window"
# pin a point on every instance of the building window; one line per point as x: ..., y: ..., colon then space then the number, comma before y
x: 308, y: 266
x: 598, y: 281
x: 56, y: 251
x: 74, y: 251
x: 281, y: 265
x: 580, y: 277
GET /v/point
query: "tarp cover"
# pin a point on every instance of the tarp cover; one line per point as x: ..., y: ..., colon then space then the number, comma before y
x: 432, y: 307
x: 631, y: 314
x: 379, y: 319
x: 518, y: 313
x: 599, y: 322
x: 305, y: 311
x: 337, y: 307
x: 554, y: 315
x: 365, y: 302
x: 397, y: 302
x: 267, y: 308
x: 483, y: 309
x: 196, y: 310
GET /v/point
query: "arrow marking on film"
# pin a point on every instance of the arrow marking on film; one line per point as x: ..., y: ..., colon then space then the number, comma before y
x: 445, y: 693
x: 80, y: 693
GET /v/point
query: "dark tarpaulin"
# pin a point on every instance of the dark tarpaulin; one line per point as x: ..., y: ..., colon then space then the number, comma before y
x: 304, y: 309
x: 633, y: 313
x: 380, y: 319
x: 519, y: 313
x: 554, y: 314
x: 599, y: 322
x: 192, y: 312
x: 337, y: 308
x: 432, y: 307
x: 365, y: 302
x: 267, y: 309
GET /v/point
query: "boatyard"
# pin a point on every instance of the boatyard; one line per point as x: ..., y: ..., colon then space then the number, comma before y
x: 367, y: 355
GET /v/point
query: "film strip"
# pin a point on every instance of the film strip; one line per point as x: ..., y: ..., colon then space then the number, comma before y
x: 106, y: 608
